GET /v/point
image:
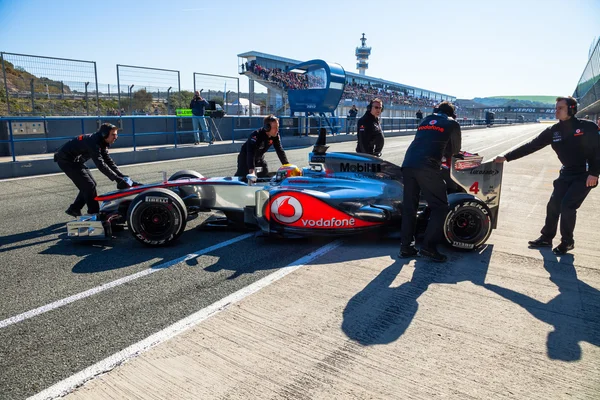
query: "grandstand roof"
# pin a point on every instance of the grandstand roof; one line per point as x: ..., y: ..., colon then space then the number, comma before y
x: 349, y: 74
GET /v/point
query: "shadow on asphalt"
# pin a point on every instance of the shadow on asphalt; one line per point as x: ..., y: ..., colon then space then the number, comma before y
x: 380, y: 314
x: 50, y: 231
x: 573, y: 313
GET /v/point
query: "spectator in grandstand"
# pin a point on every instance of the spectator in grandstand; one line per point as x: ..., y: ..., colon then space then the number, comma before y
x: 419, y: 115
x: 198, y: 105
x: 577, y: 146
x: 71, y: 158
x: 252, y: 154
x: 351, y: 119
x: 370, y: 138
x: 437, y: 136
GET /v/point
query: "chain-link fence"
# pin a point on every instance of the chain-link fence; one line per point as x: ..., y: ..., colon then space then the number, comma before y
x: 37, y: 85
x: 146, y: 91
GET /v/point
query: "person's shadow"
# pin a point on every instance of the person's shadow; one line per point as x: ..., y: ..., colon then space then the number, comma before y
x: 31, y: 238
x: 380, y: 314
x: 574, y: 312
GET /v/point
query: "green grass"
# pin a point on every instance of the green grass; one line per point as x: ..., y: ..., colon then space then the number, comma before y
x: 543, y: 99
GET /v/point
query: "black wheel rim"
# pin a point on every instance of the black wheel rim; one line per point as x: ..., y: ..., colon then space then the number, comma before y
x: 466, y: 226
x: 156, y: 220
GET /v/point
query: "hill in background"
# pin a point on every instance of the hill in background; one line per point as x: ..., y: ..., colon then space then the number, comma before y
x: 514, y: 101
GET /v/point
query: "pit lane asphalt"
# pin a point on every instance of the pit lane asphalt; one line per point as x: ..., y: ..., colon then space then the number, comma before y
x: 38, y: 266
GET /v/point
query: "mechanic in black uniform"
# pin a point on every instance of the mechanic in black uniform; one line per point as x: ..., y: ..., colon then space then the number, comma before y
x: 370, y: 136
x: 252, y: 154
x: 437, y: 136
x: 576, y: 143
x: 71, y: 158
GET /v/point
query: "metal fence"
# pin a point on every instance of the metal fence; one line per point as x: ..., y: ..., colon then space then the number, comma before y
x: 52, y: 85
x: 221, y: 89
x: 139, y: 88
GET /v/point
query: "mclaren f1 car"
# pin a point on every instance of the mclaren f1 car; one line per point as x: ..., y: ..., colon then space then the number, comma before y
x: 336, y: 194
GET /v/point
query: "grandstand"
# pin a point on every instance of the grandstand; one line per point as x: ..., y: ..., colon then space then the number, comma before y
x: 587, y: 91
x: 276, y: 74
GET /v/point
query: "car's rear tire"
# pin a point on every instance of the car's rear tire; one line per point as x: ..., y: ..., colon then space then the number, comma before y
x: 191, y: 195
x: 468, y: 224
x: 156, y: 217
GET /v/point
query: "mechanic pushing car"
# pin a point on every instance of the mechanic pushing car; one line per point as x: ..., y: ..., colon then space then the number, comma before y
x: 576, y: 143
x: 370, y: 138
x: 71, y: 158
x: 437, y: 136
x: 252, y: 154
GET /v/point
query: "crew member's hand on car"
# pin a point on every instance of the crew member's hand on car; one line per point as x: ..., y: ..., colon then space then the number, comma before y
x: 499, y: 159
x: 123, y: 184
x: 592, y: 181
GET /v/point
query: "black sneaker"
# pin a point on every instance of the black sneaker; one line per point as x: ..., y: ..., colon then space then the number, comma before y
x: 433, y: 255
x: 542, y: 241
x: 406, y: 252
x: 563, y: 248
x: 73, y: 213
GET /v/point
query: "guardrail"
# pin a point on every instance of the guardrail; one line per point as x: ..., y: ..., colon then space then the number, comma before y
x: 143, y: 131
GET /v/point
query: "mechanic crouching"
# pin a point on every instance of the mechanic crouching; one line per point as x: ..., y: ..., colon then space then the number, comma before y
x: 252, y: 154
x: 438, y: 135
x: 71, y: 158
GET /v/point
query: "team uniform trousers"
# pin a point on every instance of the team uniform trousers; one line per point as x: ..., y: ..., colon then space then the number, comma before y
x: 243, y: 170
x: 85, y: 182
x: 570, y: 191
x: 431, y: 183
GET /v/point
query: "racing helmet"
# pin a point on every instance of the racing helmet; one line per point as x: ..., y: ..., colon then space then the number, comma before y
x: 287, y: 171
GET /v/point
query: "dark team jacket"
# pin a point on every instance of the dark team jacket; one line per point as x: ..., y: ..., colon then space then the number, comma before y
x: 437, y: 136
x: 257, y: 145
x: 91, y: 146
x: 370, y: 136
x: 198, y: 106
x: 575, y: 141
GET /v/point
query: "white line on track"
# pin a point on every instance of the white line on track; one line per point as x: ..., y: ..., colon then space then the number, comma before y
x: 67, y: 385
x: 115, y: 283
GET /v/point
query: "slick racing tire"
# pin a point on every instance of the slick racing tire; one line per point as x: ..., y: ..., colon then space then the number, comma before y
x: 191, y: 195
x: 156, y: 217
x: 468, y: 224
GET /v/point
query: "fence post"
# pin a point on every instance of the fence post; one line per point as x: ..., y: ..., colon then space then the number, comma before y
x: 32, y: 97
x: 12, y: 142
x: 133, y: 133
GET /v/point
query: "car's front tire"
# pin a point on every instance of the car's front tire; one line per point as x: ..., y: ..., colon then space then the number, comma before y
x: 156, y: 217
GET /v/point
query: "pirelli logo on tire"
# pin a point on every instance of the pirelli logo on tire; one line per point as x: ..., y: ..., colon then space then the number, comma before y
x: 156, y: 199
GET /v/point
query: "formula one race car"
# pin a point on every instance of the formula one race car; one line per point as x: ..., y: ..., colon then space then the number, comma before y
x: 336, y: 194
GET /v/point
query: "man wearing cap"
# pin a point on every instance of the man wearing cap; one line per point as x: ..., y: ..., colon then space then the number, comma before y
x: 71, y: 158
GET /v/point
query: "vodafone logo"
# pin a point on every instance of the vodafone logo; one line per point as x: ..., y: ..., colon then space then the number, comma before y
x: 433, y: 122
x: 286, y: 209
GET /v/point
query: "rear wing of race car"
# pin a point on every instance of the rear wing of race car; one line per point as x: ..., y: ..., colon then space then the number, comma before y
x: 482, y: 180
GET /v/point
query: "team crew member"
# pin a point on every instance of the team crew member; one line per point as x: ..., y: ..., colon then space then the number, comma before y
x: 437, y: 136
x: 370, y: 136
x: 252, y: 154
x: 71, y: 158
x: 576, y: 143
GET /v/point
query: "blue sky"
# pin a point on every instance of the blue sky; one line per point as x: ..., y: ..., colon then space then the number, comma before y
x: 462, y: 48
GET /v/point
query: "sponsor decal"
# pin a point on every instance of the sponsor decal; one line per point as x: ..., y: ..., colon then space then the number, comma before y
x: 484, y: 172
x: 286, y: 209
x: 317, y: 159
x: 433, y: 122
x: 300, y: 210
x: 358, y: 167
x: 156, y: 199
x: 578, y: 132
x: 557, y: 137
x: 430, y: 127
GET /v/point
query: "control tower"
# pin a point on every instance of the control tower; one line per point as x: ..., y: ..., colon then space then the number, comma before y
x: 362, y: 56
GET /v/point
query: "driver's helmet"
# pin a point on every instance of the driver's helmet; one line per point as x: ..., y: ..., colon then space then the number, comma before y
x: 287, y: 171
